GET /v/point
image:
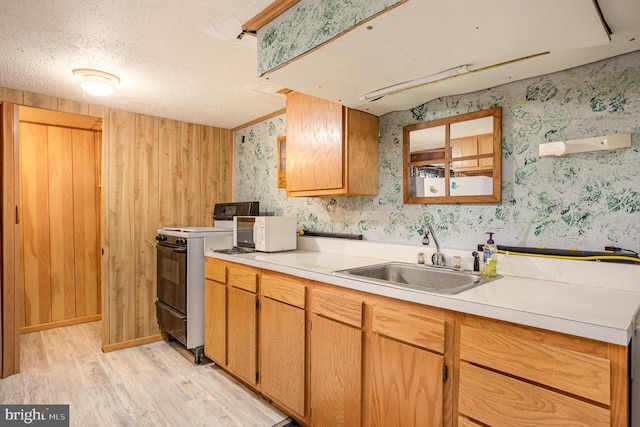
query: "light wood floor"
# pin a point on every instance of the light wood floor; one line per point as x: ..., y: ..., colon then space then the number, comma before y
x: 150, y: 385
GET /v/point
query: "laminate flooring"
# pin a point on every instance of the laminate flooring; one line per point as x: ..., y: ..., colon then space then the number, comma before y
x: 150, y: 385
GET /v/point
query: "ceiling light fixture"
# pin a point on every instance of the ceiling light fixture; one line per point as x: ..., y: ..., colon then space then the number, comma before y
x: 377, y: 94
x: 96, y: 82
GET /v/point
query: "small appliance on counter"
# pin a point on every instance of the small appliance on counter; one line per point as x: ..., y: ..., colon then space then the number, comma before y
x: 180, y: 273
x: 223, y: 214
x: 265, y: 233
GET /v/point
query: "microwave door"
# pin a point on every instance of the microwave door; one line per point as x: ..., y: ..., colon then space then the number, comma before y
x: 245, y: 233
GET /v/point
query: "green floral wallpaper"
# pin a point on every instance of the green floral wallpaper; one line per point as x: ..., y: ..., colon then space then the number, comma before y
x: 309, y: 24
x: 583, y: 201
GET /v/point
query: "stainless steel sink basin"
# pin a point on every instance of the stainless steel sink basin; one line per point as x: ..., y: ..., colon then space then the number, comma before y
x: 417, y: 276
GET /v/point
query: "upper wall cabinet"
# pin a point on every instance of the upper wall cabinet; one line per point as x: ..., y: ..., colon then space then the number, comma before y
x: 454, y: 160
x: 331, y: 150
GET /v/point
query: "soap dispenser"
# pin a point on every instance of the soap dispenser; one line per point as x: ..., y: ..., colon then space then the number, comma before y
x: 490, y: 252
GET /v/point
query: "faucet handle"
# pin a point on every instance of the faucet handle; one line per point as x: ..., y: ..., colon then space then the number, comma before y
x: 476, y: 261
x: 437, y: 258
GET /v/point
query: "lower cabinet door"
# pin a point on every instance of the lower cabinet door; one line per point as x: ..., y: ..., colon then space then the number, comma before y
x: 406, y: 385
x: 242, y: 335
x: 215, y: 321
x: 336, y: 373
x: 282, y: 354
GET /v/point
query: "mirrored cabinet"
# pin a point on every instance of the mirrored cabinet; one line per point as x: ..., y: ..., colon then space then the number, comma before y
x: 455, y: 159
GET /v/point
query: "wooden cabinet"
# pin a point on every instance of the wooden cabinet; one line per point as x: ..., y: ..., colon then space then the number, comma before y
x: 464, y: 147
x: 282, y: 341
x: 331, y: 150
x: 215, y: 311
x: 514, y: 375
x: 407, y: 368
x: 336, y: 359
x: 485, y: 146
x: 242, y: 326
x: 330, y: 356
x: 473, y: 147
x: 231, y: 317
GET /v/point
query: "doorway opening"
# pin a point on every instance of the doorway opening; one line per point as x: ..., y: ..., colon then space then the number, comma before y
x: 60, y: 219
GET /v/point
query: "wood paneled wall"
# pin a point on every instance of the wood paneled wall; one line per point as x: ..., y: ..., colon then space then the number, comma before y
x: 60, y: 234
x: 156, y: 172
x: 159, y: 172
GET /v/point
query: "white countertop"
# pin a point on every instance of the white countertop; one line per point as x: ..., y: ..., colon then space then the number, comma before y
x: 599, y: 313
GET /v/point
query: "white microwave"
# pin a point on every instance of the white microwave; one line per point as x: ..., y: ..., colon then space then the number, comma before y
x: 265, y: 233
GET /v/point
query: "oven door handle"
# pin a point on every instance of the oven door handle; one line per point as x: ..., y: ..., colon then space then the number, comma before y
x: 175, y: 313
x: 172, y: 249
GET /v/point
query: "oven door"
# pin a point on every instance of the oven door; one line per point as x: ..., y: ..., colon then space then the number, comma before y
x: 172, y: 277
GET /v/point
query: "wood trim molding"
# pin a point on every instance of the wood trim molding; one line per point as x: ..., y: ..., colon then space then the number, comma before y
x: 131, y: 343
x: 272, y: 11
x: 259, y: 119
x: 68, y: 322
x: 9, y: 241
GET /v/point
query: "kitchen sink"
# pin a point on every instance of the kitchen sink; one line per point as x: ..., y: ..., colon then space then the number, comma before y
x: 440, y: 280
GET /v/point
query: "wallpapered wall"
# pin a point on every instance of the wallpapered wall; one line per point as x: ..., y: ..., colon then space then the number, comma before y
x: 583, y: 201
x: 308, y: 24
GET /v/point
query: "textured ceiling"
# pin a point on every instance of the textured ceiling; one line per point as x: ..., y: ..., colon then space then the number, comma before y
x: 176, y: 59
x: 182, y: 60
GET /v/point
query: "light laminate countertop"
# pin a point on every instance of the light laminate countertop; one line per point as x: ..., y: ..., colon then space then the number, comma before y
x: 586, y: 311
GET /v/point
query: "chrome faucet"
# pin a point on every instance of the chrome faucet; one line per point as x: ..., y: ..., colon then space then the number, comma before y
x: 437, y: 258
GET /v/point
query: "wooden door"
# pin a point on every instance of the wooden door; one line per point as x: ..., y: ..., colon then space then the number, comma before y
x: 85, y: 221
x: 61, y: 218
x: 336, y: 378
x: 282, y: 353
x: 215, y: 321
x: 406, y: 385
x: 36, y: 259
x: 242, y: 334
x: 61, y: 234
x: 10, y: 238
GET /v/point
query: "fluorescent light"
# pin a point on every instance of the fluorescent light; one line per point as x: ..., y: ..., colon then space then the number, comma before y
x: 377, y: 94
x: 96, y: 82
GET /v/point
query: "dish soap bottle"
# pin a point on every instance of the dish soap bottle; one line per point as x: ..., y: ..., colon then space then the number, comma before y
x: 490, y: 252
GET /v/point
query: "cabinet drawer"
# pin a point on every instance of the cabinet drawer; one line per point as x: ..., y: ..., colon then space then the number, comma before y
x: 215, y: 270
x: 412, y: 328
x: 283, y: 288
x: 337, y: 307
x: 498, y: 400
x: 243, y: 277
x: 545, y: 363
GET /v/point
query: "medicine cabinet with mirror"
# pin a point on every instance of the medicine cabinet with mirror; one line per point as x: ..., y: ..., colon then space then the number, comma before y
x: 455, y: 159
